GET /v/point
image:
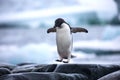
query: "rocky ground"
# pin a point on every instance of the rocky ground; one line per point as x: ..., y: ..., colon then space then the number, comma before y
x: 31, y: 71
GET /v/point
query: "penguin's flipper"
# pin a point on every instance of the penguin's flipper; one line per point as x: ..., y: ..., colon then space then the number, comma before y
x: 78, y: 29
x: 51, y: 30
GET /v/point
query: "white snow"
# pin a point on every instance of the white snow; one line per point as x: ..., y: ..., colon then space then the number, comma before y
x: 105, y: 9
x: 99, y: 44
x: 44, y: 53
x: 37, y: 53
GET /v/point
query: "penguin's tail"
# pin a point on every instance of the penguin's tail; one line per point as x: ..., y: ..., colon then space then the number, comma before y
x: 73, y: 56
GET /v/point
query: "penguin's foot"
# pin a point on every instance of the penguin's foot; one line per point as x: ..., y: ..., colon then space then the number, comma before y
x: 59, y: 60
x: 65, y: 61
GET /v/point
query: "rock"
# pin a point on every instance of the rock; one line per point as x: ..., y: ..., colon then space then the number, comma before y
x: 4, y: 71
x: 103, y: 70
x: 118, y: 5
x: 7, y: 65
x: 34, y: 68
x: 116, y: 19
x: 92, y: 71
x: 13, y: 77
x: 45, y: 68
x: 22, y: 64
x: 60, y: 72
x: 24, y: 68
x: 112, y: 76
x: 44, y: 76
x: 74, y: 68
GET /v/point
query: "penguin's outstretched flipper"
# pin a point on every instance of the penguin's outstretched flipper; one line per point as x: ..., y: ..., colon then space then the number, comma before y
x: 78, y: 29
x: 73, y: 30
x: 51, y: 30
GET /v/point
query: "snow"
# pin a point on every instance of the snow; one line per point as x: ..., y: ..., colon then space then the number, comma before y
x: 43, y: 13
x: 98, y: 44
x: 85, y: 6
x: 42, y: 49
x: 37, y: 53
x: 45, y: 53
x: 110, y: 33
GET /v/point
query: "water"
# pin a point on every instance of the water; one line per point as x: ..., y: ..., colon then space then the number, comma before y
x: 36, y: 46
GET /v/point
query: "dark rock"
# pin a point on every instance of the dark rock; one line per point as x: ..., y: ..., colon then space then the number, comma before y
x: 118, y: 5
x: 112, y: 76
x: 24, y: 68
x: 116, y: 19
x: 22, y: 64
x: 74, y: 68
x: 103, y: 70
x: 4, y: 71
x: 34, y: 68
x: 44, y: 76
x: 13, y: 77
x: 8, y: 66
x: 45, y: 68
x: 92, y: 71
x: 60, y: 72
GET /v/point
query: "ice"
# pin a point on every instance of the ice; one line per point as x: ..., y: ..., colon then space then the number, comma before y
x: 45, y: 53
x: 36, y: 53
x: 110, y: 33
x: 36, y: 46
x: 34, y: 17
x: 40, y: 53
x: 99, y: 45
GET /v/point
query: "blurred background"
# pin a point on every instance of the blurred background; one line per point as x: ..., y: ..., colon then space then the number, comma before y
x: 23, y: 26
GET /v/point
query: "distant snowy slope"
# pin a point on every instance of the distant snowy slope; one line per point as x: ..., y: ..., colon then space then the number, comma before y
x: 12, y: 10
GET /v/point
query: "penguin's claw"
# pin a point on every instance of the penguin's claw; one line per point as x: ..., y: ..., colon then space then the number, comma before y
x: 59, y: 60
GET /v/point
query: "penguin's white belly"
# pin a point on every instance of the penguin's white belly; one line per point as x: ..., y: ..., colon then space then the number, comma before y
x: 64, y: 42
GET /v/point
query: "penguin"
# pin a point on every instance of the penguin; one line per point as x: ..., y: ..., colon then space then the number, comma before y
x: 64, y: 38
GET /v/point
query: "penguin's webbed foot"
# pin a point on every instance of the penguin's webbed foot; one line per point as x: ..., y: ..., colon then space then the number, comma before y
x: 59, y: 60
x: 65, y: 61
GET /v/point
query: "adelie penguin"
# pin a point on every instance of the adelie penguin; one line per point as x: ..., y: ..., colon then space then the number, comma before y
x: 64, y: 39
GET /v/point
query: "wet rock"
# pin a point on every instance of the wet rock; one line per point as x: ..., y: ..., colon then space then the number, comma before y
x: 44, y: 76
x: 24, y: 68
x: 74, y: 68
x: 4, y: 71
x: 60, y: 72
x: 45, y: 68
x: 92, y: 71
x: 102, y: 70
x: 112, y: 76
x: 35, y: 68
x: 7, y: 65
x: 22, y: 64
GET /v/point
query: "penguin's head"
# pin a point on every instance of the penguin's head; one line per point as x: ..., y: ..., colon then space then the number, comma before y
x: 58, y: 22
